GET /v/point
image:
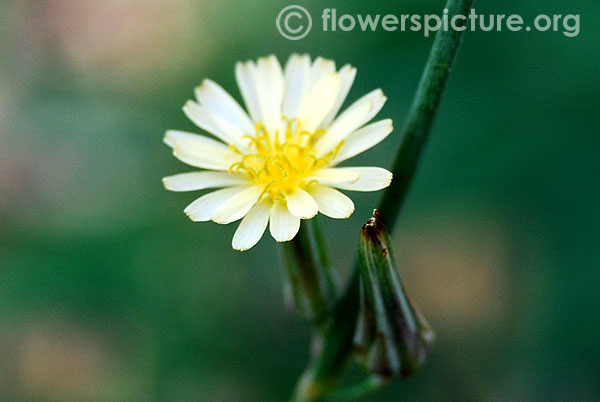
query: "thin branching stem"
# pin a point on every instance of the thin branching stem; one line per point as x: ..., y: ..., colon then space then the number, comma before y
x: 325, y: 368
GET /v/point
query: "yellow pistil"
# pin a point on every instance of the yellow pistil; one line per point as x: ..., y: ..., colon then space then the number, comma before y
x: 282, y: 163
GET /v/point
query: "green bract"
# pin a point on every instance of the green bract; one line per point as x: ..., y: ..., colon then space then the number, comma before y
x: 392, y: 337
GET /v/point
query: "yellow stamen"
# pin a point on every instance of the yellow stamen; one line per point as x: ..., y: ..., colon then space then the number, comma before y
x: 282, y: 166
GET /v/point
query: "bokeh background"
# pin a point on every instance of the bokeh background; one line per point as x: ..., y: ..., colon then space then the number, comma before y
x: 109, y: 293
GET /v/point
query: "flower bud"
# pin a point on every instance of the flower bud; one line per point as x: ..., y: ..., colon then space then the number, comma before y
x: 308, y: 284
x: 392, y: 337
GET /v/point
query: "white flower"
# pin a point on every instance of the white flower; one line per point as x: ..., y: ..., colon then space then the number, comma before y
x: 276, y: 163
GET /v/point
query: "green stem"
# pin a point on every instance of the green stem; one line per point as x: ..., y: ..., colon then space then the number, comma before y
x: 422, y: 112
x: 308, y: 283
x: 325, y: 368
x: 323, y: 258
x: 333, y: 345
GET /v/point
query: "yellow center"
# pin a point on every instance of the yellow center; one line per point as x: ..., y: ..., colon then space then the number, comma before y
x: 282, y: 163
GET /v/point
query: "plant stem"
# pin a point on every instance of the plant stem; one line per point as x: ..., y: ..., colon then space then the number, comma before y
x: 422, y: 112
x: 308, y: 284
x: 325, y: 368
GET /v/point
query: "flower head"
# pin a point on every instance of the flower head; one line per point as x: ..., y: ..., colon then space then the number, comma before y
x: 276, y: 163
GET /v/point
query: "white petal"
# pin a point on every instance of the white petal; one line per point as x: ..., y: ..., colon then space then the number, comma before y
x: 172, y: 137
x: 301, y: 204
x: 319, y: 101
x: 341, y: 128
x: 363, y: 139
x: 270, y: 92
x: 201, y: 209
x: 217, y: 126
x: 221, y: 103
x: 319, y: 68
x: 347, y: 75
x: 297, y: 73
x: 204, y: 153
x: 371, y: 179
x: 237, y: 206
x: 193, y: 181
x: 283, y: 225
x: 246, y: 77
x: 376, y: 97
x: 331, y: 202
x: 334, y: 175
x: 357, y: 114
x: 252, y: 227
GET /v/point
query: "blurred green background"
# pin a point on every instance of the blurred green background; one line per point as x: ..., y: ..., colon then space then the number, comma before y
x: 109, y: 293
